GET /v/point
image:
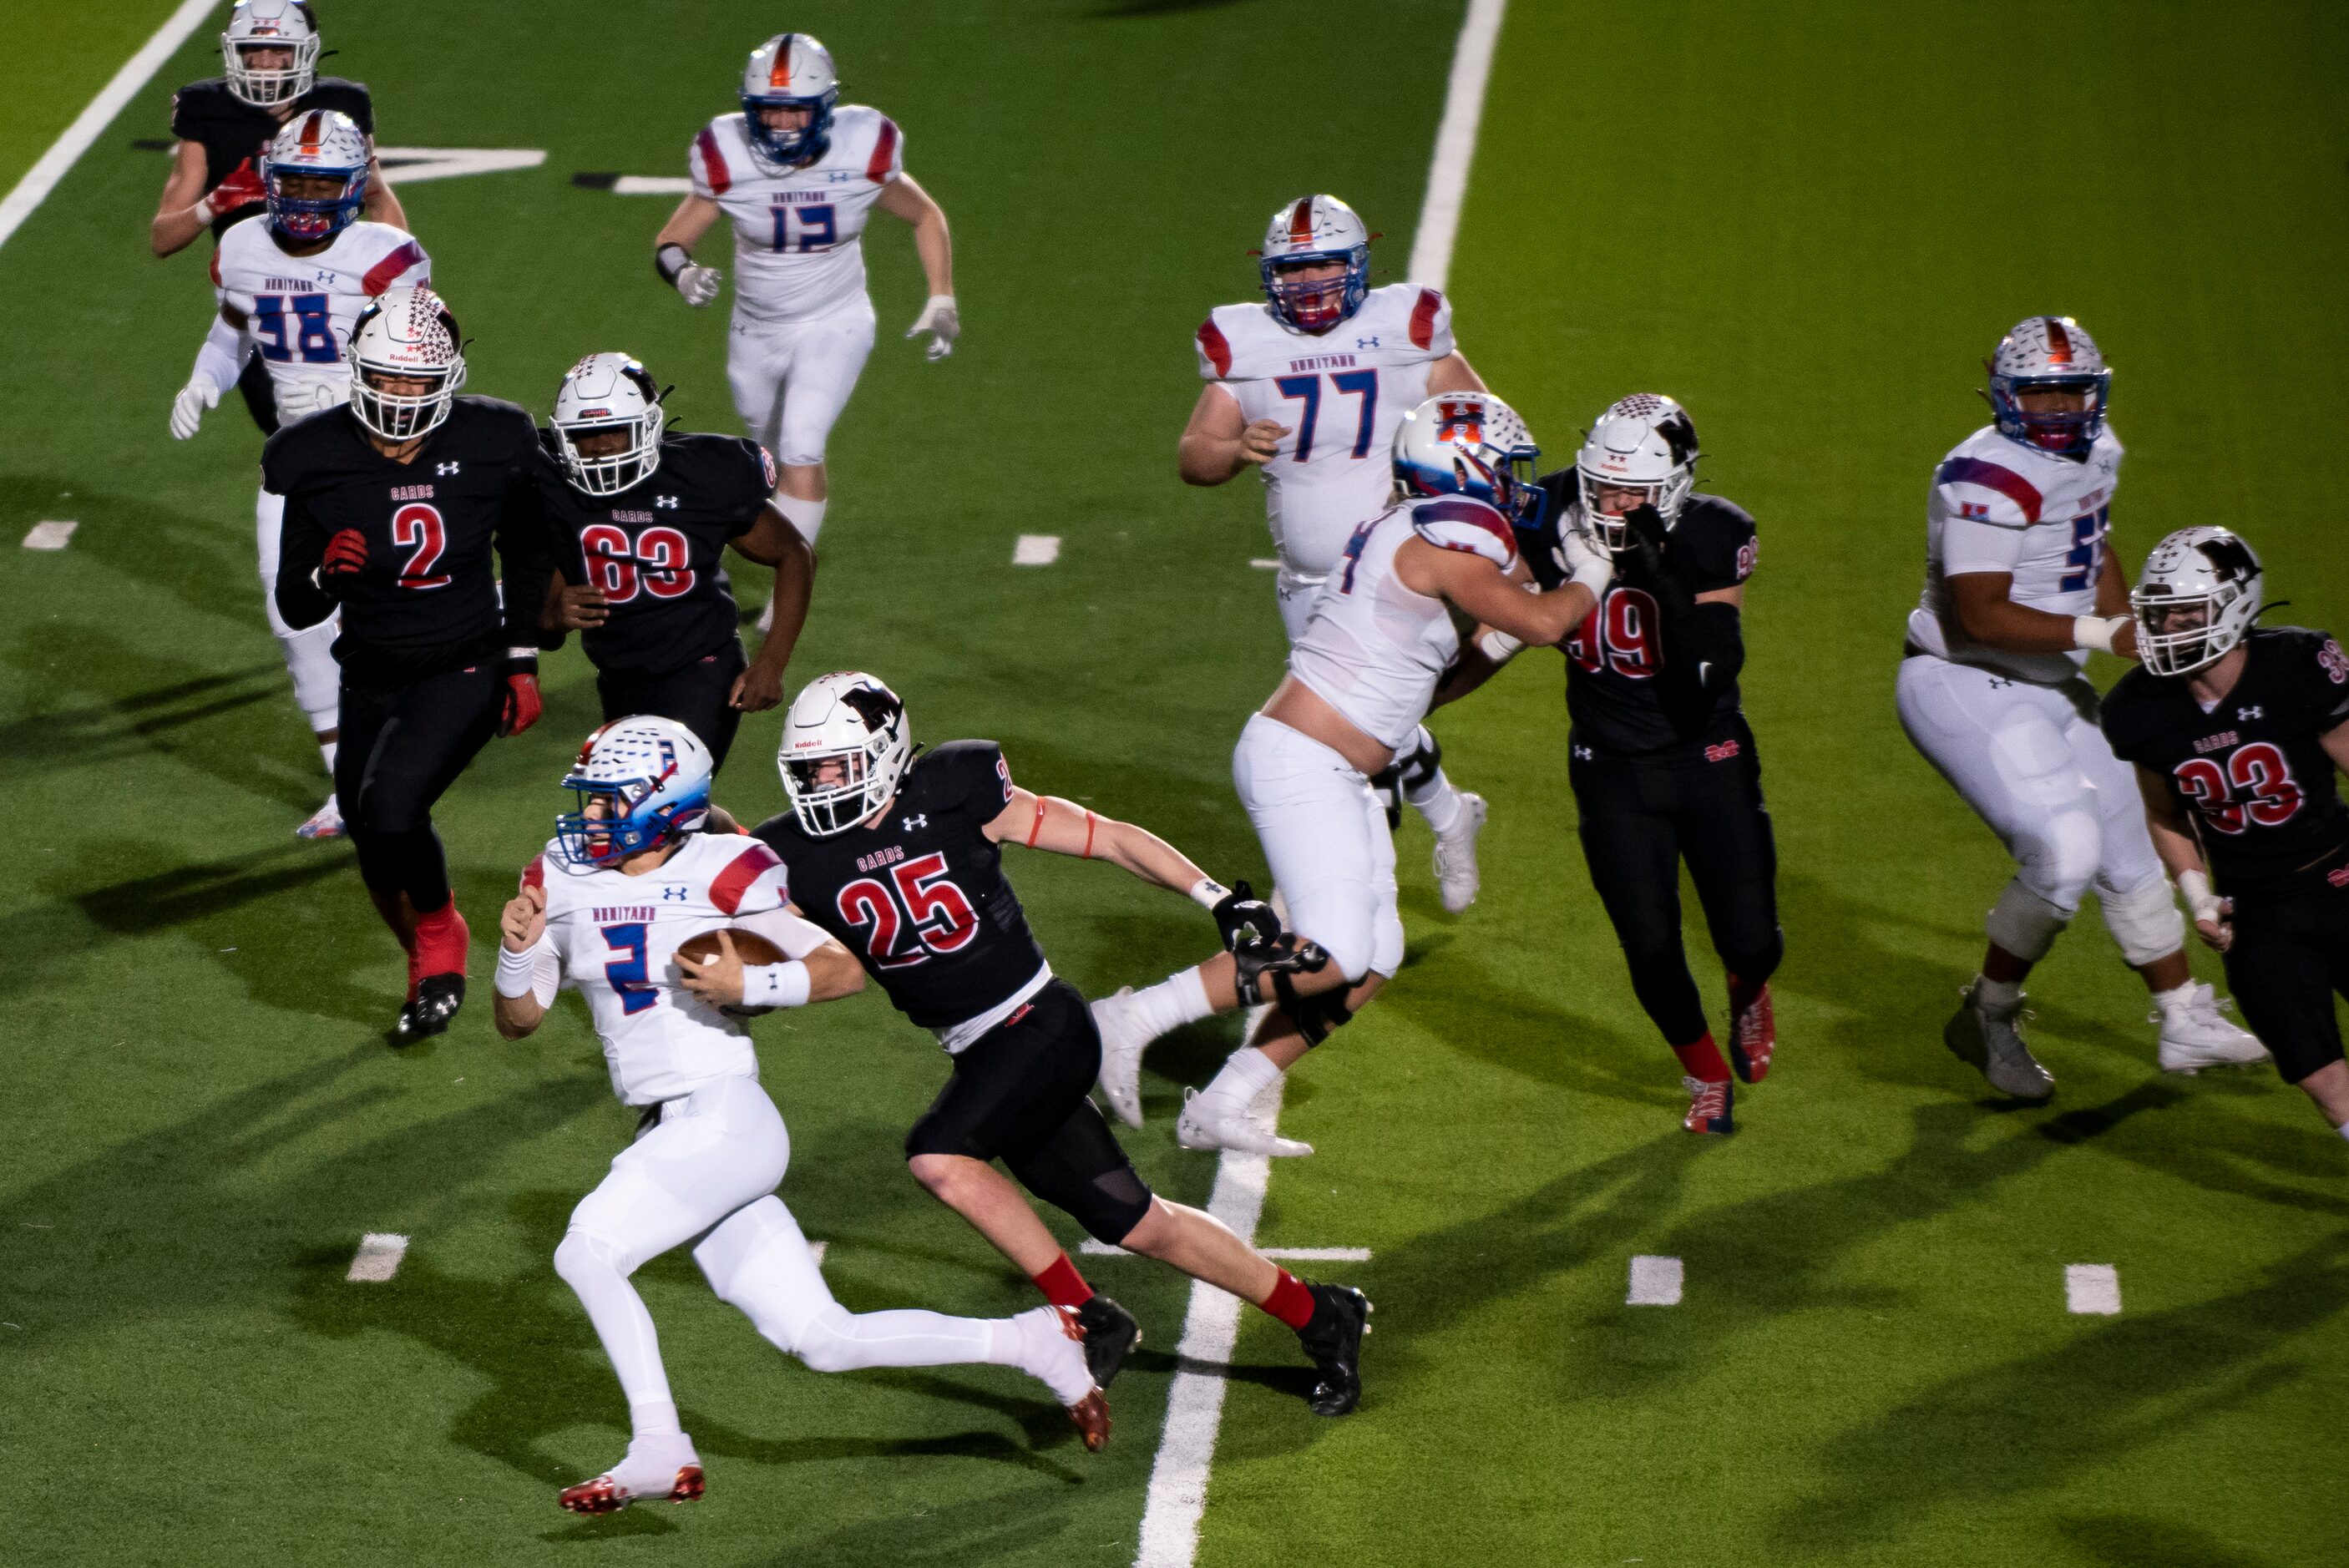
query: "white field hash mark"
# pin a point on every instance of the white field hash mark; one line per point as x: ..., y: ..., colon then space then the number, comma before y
x: 1036, y: 550
x: 652, y: 185
x: 378, y: 1257
x: 1094, y: 1249
x: 2092, y: 1289
x: 1655, y: 1282
x: 49, y: 535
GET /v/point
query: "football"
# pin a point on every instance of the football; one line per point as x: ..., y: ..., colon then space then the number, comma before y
x: 748, y: 946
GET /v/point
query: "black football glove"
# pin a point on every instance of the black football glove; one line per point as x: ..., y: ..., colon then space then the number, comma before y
x: 1645, y: 544
x: 1242, y: 916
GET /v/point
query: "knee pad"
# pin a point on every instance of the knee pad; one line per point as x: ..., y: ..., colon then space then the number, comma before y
x: 1261, y: 966
x: 1315, y: 1017
x: 317, y: 679
x: 2024, y: 923
x: 1423, y: 764
x: 582, y: 1253
x: 2145, y: 921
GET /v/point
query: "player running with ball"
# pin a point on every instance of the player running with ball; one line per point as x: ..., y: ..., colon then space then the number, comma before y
x: 626, y: 880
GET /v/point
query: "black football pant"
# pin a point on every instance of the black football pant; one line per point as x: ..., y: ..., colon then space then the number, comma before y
x: 402, y: 747
x: 260, y: 393
x: 695, y: 695
x: 1639, y: 820
x: 2289, y: 959
x: 1022, y: 1093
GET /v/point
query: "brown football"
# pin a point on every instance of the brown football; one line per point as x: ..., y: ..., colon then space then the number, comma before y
x: 748, y: 946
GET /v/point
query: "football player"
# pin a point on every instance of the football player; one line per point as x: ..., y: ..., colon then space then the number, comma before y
x: 641, y: 522
x: 395, y: 503
x: 224, y: 126
x: 2019, y: 589
x: 798, y: 173
x: 1308, y: 389
x: 290, y: 288
x: 900, y: 857
x: 1363, y: 673
x: 627, y: 878
x: 2237, y: 732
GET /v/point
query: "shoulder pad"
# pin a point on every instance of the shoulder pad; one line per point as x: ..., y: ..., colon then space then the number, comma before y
x: 966, y: 772
x: 1249, y: 341
x: 1985, y: 491
x: 1459, y: 522
x: 1422, y: 314
x: 748, y: 860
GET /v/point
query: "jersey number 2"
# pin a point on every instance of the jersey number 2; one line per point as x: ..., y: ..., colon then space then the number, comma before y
x: 924, y: 914
x: 418, y: 528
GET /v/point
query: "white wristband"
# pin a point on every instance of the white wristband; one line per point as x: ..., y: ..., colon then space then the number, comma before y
x: 1498, y: 645
x: 203, y: 209
x: 1595, y: 575
x: 2097, y: 632
x: 784, y: 984
x: 518, y: 972
x: 1207, y: 893
x: 2200, y: 901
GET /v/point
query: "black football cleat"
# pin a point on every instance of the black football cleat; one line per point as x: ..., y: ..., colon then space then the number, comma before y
x: 1333, y: 1338
x: 438, y: 998
x: 1110, y: 1333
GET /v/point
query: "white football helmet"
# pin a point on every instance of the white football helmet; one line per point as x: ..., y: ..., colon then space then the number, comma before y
x: 1645, y: 443
x: 2050, y: 354
x: 791, y: 70
x: 851, y: 720
x: 271, y: 25
x: 1466, y: 443
x: 322, y: 144
x: 603, y: 393
x: 2199, y: 593
x: 652, y: 775
x: 409, y: 333
x: 1309, y: 229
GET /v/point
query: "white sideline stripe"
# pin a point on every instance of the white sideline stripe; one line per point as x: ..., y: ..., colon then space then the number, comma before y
x: 1194, y: 1405
x: 2092, y: 1289
x: 1261, y: 564
x: 378, y: 1257
x: 1455, y: 144
x: 50, y: 535
x: 1094, y: 1249
x: 1655, y: 1282
x: 1036, y: 550
x: 415, y: 165
x: 652, y: 185
x: 87, y: 126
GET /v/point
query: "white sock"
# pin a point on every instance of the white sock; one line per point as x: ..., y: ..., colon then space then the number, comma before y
x: 327, y: 748
x: 2175, y: 998
x: 653, y: 1418
x: 1998, y: 996
x: 1181, y: 998
x: 1433, y: 798
x: 621, y: 1323
x: 807, y: 516
x: 1245, y: 1074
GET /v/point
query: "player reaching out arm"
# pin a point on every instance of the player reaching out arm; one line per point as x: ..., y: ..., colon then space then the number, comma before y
x: 798, y: 173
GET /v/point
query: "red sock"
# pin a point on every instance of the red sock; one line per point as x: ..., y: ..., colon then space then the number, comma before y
x: 1703, y: 1061
x: 1290, y: 1301
x: 1741, y: 995
x: 1062, y: 1284
x: 441, y: 940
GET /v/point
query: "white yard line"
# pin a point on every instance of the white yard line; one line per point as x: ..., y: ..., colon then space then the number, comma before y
x: 1036, y: 550
x: 1655, y: 1282
x: 49, y: 535
x: 378, y: 1257
x: 1262, y: 564
x: 415, y: 165
x: 1455, y: 144
x: 1094, y: 1249
x: 66, y: 151
x: 2092, y: 1289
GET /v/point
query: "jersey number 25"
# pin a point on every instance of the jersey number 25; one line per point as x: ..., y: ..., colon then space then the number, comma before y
x: 922, y: 914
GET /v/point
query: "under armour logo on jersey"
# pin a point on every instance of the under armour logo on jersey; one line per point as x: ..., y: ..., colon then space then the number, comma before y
x: 910, y: 823
x: 668, y: 500
x: 673, y: 893
x: 444, y: 469
x: 1582, y: 753
x: 1997, y: 682
x: 1366, y: 343
x: 2247, y: 713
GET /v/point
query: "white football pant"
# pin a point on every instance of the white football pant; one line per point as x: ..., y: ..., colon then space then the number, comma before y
x: 712, y: 1165
x: 309, y: 654
x: 1326, y: 841
x: 792, y: 379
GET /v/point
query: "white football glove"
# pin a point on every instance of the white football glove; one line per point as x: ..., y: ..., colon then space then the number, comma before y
x: 699, y: 285
x: 303, y: 398
x: 942, y: 321
x: 188, y: 407
x: 1584, y: 562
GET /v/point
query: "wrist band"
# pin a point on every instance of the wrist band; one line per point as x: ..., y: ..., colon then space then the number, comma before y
x: 1595, y: 575
x: 670, y: 260
x: 784, y: 984
x: 2200, y: 901
x: 518, y: 972
x: 1207, y: 893
x: 1498, y: 645
x: 2097, y: 632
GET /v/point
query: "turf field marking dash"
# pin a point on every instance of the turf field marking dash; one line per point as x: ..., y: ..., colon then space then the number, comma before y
x: 1263, y: 563
x: 51, y: 534
x: 1036, y: 550
x: 378, y: 1257
x: 1094, y: 1249
x: 1655, y: 1282
x: 2092, y: 1290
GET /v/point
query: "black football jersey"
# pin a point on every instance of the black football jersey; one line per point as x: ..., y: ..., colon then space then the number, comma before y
x: 2251, y: 773
x: 234, y: 133
x: 921, y: 898
x: 1613, y: 697
x: 657, y: 549
x: 428, y: 598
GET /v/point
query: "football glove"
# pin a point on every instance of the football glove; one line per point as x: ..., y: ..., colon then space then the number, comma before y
x: 240, y: 190
x: 1580, y: 561
x: 943, y: 322
x: 523, y: 705
x: 346, y: 558
x: 699, y: 285
x: 1242, y: 916
x: 188, y: 407
x: 1645, y: 542
x: 300, y: 399
x: 1256, y: 962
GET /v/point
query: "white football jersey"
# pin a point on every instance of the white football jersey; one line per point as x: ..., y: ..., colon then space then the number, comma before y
x: 298, y: 310
x: 1375, y: 648
x: 798, y: 232
x: 1997, y: 505
x: 1342, y: 393
x: 616, y: 936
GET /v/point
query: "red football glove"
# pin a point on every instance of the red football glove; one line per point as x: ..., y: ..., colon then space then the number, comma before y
x: 241, y: 188
x: 522, y: 707
x: 347, y: 555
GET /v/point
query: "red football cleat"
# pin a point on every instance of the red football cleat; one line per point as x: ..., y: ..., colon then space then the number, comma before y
x: 1709, y: 1105
x: 657, y: 1468
x: 1752, y: 1033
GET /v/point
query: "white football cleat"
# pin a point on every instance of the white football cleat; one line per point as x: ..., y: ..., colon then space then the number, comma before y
x: 1123, y: 1038
x: 1455, y: 855
x: 1212, y: 1121
x: 326, y: 822
x: 662, y: 1468
x: 2194, y: 1036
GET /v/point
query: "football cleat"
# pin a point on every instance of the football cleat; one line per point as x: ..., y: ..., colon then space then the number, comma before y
x: 1455, y: 855
x: 2194, y: 1036
x: 657, y: 1469
x: 1111, y: 1333
x: 438, y: 998
x: 1089, y: 1411
x: 1752, y: 1034
x: 1709, y: 1105
x: 326, y: 822
x: 1212, y: 1121
x: 1123, y: 1038
x: 1333, y: 1338
x: 1988, y: 1040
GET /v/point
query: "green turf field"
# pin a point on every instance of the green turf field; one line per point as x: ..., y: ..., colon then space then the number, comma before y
x: 1810, y: 226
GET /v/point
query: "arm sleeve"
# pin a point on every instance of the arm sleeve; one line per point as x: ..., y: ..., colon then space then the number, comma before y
x: 2323, y: 686
x: 1707, y: 647
x: 301, y: 546
x: 221, y: 356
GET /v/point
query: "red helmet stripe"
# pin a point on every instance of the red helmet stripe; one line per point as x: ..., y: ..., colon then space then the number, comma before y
x: 2059, y: 343
x: 779, y: 76
x: 310, y: 132
x: 1300, y: 222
